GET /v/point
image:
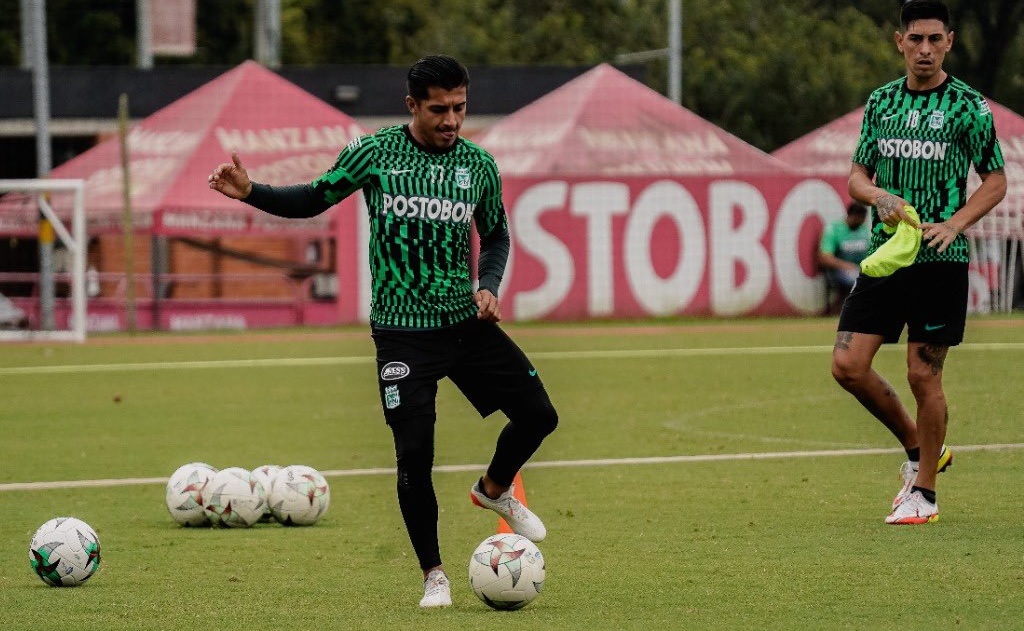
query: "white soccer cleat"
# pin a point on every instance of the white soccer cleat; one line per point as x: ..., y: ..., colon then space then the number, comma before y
x: 437, y: 591
x: 908, y: 472
x: 520, y: 519
x: 914, y: 510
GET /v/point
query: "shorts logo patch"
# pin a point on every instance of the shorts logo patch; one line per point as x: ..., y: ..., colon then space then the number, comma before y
x: 391, y: 397
x: 933, y: 327
x: 393, y: 371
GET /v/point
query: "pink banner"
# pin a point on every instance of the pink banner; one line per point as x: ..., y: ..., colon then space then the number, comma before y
x: 174, y: 27
x: 638, y: 247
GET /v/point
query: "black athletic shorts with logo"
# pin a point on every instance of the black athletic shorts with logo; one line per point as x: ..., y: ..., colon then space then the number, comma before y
x: 930, y: 299
x: 480, y: 359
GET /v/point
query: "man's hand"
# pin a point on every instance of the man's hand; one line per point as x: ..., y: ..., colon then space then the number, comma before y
x: 939, y: 235
x: 890, y: 210
x: 488, y: 307
x: 231, y: 179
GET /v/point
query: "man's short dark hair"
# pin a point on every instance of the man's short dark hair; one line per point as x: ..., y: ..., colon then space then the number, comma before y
x: 857, y: 208
x: 912, y: 10
x: 435, y: 71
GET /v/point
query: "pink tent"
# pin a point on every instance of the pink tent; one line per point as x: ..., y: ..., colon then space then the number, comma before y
x: 607, y: 123
x: 283, y: 134
x: 826, y: 150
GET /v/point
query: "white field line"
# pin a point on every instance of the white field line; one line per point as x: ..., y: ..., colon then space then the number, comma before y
x: 553, y: 355
x: 548, y: 464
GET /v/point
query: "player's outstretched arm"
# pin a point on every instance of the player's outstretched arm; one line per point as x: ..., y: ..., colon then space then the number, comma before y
x: 231, y: 179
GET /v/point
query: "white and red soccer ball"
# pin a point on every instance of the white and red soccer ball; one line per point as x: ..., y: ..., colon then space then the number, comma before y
x: 187, y: 492
x: 234, y: 498
x: 265, y: 474
x: 506, y: 571
x: 298, y: 495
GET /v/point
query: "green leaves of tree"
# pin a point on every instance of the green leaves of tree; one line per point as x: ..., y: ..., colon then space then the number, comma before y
x: 766, y: 71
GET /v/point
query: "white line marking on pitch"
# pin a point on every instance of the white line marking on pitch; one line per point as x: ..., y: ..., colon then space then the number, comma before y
x: 544, y: 464
x: 346, y: 361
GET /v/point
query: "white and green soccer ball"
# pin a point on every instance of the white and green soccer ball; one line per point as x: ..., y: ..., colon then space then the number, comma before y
x: 265, y: 474
x: 234, y: 498
x: 506, y: 571
x: 186, y: 493
x: 64, y: 552
x: 298, y: 495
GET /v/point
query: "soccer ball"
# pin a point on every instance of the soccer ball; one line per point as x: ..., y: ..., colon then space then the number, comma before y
x: 506, y: 571
x: 265, y: 474
x: 186, y: 492
x: 234, y: 498
x: 298, y: 495
x: 64, y: 552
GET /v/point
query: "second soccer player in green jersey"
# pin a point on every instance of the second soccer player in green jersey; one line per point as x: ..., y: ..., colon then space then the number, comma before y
x: 920, y: 136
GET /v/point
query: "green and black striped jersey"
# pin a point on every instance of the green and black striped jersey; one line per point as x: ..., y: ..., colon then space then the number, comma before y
x: 422, y: 206
x: 920, y: 146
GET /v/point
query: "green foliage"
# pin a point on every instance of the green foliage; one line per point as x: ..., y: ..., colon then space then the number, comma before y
x: 104, y: 33
x: 766, y: 71
x: 773, y: 72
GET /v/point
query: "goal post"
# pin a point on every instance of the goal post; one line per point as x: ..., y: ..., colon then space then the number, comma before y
x: 76, y: 243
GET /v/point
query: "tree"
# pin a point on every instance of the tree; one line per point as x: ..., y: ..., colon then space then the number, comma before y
x: 766, y: 71
x: 770, y: 72
x: 102, y: 35
x: 988, y: 51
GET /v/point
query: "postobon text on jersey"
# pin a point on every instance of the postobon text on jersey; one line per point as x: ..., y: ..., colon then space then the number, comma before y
x: 905, y: 148
x: 430, y: 208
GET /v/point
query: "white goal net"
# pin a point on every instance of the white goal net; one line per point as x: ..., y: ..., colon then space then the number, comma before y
x: 39, y: 195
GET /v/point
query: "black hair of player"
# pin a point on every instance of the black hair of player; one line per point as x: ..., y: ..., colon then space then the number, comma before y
x: 914, y: 10
x: 435, y: 71
x: 856, y: 208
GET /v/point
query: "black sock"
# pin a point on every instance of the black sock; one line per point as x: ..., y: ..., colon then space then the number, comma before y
x: 480, y: 485
x: 914, y: 455
x: 926, y: 493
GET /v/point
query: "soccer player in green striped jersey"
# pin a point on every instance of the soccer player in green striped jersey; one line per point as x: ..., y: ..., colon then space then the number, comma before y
x: 919, y: 137
x: 425, y: 189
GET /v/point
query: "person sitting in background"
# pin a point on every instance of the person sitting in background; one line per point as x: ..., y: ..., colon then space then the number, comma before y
x: 843, y: 246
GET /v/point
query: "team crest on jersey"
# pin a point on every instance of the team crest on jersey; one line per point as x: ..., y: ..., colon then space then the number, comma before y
x: 391, y: 397
x: 936, y: 119
x: 462, y: 178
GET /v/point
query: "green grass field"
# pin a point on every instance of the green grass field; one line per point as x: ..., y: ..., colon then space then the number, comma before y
x: 784, y: 542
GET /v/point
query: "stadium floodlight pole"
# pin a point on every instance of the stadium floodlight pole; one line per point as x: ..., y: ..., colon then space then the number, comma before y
x: 26, y: 34
x: 674, y: 52
x: 44, y: 160
x: 127, y: 228
x: 268, y: 33
x: 144, y: 34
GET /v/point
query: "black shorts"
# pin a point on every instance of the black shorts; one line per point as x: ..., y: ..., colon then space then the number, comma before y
x: 480, y: 359
x: 930, y: 299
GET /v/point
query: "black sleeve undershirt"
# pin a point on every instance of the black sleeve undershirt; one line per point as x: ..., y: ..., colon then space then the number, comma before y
x: 292, y: 202
x: 493, y: 258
